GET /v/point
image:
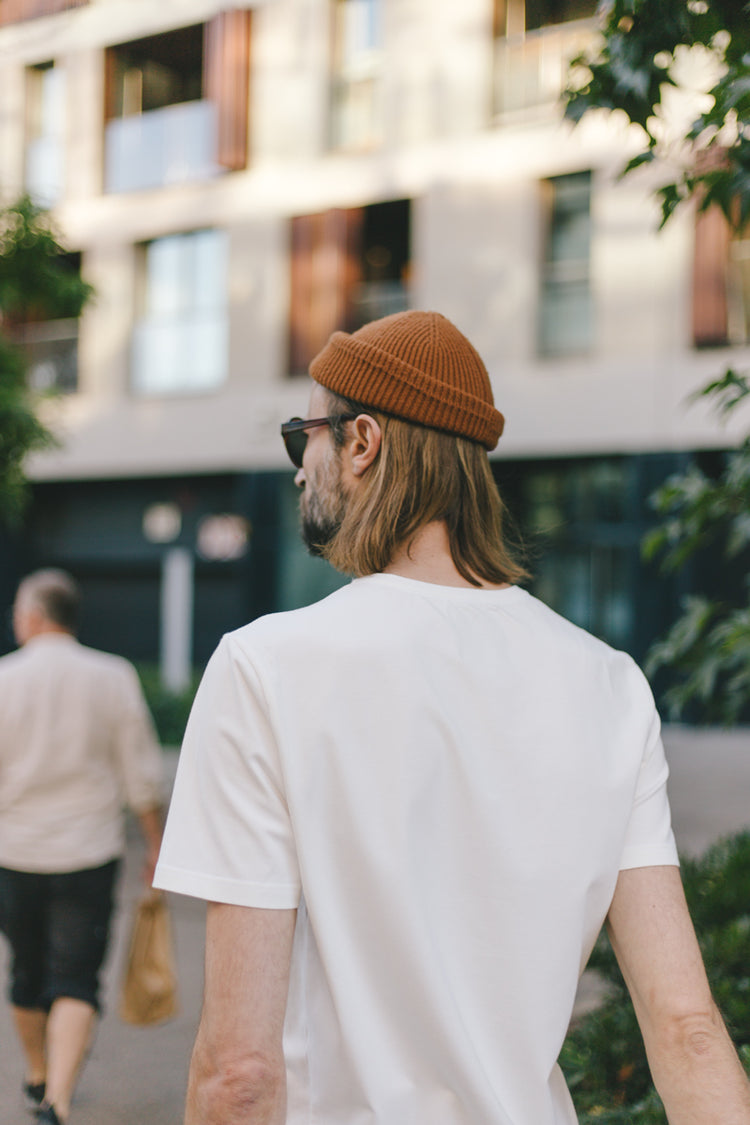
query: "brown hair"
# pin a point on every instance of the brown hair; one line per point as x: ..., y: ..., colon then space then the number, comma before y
x: 419, y: 476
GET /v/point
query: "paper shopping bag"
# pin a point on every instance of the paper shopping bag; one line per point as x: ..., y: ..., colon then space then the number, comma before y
x: 148, y: 993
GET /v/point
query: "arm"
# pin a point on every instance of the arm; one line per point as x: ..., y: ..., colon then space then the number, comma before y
x: 237, y: 1073
x: 151, y: 821
x: 693, y: 1061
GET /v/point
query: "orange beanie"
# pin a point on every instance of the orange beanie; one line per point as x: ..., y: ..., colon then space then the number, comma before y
x: 416, y: 366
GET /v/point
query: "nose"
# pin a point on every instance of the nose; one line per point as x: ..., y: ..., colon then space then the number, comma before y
x: 299, y: 478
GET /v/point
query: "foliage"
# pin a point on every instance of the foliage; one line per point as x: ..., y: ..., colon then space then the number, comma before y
x: 20, y: 430
x: 639, y: 67
x: 36, y: 282
x: 603, y: 1057
x: 709, y: 644
x: 170, y: 709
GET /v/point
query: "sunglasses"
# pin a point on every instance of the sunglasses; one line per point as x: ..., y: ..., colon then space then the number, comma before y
x: 294, y: 433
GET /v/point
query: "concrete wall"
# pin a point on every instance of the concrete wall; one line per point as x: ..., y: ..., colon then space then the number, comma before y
x: 476, y: 241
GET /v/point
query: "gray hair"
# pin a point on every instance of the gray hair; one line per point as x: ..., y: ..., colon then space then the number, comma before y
x: 55, y: 594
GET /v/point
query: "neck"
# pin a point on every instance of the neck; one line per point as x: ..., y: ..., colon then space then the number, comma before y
x: 427, y: 558
x: 24, y: 635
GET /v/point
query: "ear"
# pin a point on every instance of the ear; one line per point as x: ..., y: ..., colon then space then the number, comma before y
x: 363, y: 444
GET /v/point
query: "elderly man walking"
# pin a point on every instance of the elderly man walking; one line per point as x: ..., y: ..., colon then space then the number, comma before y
x: 412, y: 805
x: 76, y: 744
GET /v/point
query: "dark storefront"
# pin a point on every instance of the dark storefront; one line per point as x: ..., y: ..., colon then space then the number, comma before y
x: 581, y: 519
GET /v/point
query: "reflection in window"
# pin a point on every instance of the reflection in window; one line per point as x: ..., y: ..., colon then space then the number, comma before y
x: 577, y: 514
x: 356, y: 117
x: 301, y: 578
x: 45, y: 133
x: 349, y: 266
x: 181, y: 339
x: 152, y: 73
x: 589, y: 586
x: 565, y: 297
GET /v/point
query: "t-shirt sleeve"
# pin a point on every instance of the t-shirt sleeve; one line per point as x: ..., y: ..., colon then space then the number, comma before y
x: 228, y: 836
x: 649, y: 840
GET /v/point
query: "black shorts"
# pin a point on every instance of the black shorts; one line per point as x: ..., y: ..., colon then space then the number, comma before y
x: 58, y: 929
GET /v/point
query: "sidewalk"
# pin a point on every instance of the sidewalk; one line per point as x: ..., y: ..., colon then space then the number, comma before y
x: 136, y: 1076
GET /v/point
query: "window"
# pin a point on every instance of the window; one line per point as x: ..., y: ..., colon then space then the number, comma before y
x: 177, y: 104
x: 180, y: 344
x: 534, y: 43
x: 153, y: 73
x: 513, y: 16
x: 565, y: 299
x: 45, y: 133
x: 579, y: 514
x: 348, y: 267
x: 356, y: 114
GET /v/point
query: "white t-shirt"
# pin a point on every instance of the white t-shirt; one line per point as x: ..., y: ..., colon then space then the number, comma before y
x: 76, y: 744
x: 446, y: 782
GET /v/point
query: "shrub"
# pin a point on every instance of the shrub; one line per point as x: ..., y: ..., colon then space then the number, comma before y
x: 170, y: 709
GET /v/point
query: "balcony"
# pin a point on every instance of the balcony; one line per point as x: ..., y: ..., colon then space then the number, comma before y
x: 173, y: 145
x: 531, y: 69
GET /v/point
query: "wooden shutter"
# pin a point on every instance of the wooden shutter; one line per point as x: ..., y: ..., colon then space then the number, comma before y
x: 14, y: 11
x: 710, y: 269
x: 325, y: 268
x: 227, y: 84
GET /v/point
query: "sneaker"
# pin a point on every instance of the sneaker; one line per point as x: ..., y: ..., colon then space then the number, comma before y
x: 33, y: 1092
x: 46, y: 1112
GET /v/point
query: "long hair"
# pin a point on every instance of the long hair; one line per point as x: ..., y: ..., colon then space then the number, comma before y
x: 422, y: 475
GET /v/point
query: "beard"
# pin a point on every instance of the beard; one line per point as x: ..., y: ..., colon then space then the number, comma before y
x: 322, y: 509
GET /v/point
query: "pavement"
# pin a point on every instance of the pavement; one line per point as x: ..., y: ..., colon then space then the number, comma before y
x: 137, y: 1076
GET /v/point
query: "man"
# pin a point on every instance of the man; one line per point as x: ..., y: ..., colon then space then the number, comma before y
x: 412, y: 805
x: 76, y: 742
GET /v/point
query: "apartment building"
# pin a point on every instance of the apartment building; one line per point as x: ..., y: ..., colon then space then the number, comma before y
x: 238, y: 180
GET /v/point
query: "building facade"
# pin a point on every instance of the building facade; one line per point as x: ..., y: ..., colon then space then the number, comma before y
x: 237, y: 181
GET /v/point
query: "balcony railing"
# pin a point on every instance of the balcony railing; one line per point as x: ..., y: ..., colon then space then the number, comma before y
x: 165, y: 146
x: 51, y: 349
x: 531, y: 69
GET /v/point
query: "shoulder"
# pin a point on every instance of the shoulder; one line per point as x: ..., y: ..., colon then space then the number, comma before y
x: 12, y: 661
x: 278, y: 628
x: 107, y: 665
x: 562, y: 641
